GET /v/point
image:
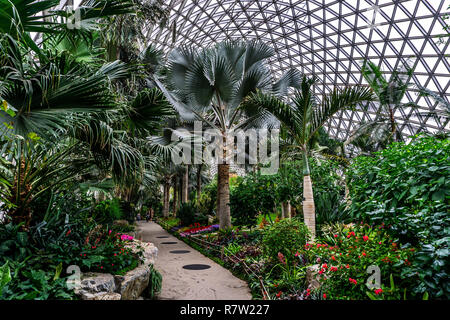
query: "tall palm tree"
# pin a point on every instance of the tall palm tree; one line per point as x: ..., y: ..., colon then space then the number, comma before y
x: 389, y: 92
x: 303, y: 118
x: 210, y: 85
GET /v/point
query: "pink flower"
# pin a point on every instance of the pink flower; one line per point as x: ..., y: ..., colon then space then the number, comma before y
x: 318, y: 260
x: 126, y: 237
x: 281, y: 258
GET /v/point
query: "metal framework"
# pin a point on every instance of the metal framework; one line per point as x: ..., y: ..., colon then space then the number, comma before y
x: 330, y: 39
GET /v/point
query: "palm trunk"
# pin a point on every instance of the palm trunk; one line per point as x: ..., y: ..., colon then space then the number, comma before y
x: 199, y: 182
x: 166, y: 199
x: 393, y: 126
x: 175, y: 195
x: 286, y: 209
x: 309, y: 214
x: 185, y: 183
x: 223, y: 196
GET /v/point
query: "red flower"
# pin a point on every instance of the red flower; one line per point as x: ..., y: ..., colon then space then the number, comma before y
x: 321, y: 271
x: 378, y: 291
x: 333, y: 269
x: 333, y: 258
x: 335, y: 235
x: 364, y: 254
x: 324, y: 295
x: 365, y: 238
x: 347, y: 266
x: 279, y: 294
x: 324, y: 266
x: 68, y: 232
x: 352, y: 281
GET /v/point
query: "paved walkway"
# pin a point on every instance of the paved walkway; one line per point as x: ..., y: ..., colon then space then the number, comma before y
x: 215, y: 283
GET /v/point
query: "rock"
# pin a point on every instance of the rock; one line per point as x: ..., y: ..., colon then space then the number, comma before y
x: 313, y: 277
x: 133, y: 283
x: 150, y: 251
x: 98, y: 282
x: 101, y: 296
x: 95, y: 285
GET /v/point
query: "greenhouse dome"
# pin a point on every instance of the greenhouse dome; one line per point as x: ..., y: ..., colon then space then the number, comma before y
x: 330, y: 40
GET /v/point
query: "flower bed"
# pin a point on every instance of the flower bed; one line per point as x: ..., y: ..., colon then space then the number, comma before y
x: 199, y: 229
x: 347, y: 259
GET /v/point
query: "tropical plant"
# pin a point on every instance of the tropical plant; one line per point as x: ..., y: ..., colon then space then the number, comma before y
x: 303, y: 118
x: 347, y: 258
x: 383, y: 129
x: 285, y: 237
x: 211, y: 84
x: 406, y: 188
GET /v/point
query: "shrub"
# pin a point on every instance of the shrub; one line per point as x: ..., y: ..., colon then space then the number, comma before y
x: 286, y: 237
x: 407, y: 188
x: 252, y: 195
x: 208, y: 199
x: 187, y: 215
x: 107, y: 211
x: 346, y: 255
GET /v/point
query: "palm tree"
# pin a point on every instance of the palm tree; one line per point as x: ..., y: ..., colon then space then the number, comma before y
x: 303, y: 118
x: 211, y: 84
x: 384, y: 128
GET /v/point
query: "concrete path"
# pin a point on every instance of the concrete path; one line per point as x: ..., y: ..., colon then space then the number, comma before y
x: 215, y: 283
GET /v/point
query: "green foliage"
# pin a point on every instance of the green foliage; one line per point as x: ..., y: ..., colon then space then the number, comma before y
x: 154, y: 284
x: 345, y: 256
x: 286, y: 237
x: 406, y: 187
x: 208, y: 199
x: 328, y: 191
x: 106, y: 211
x: 253, y: 195
x: 32, y: 280
x: 5, y: 276
x: 14, y: 244
x: 187, y: 213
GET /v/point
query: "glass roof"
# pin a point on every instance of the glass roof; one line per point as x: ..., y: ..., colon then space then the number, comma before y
x: 330, y: 39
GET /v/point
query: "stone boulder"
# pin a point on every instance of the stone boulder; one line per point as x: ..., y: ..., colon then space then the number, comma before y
x: 94, y: 285
x: 104, y: 286
x: 150, y: 251
x: 313, y: 277
x: 131, y: 285
x: 101, y: 296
